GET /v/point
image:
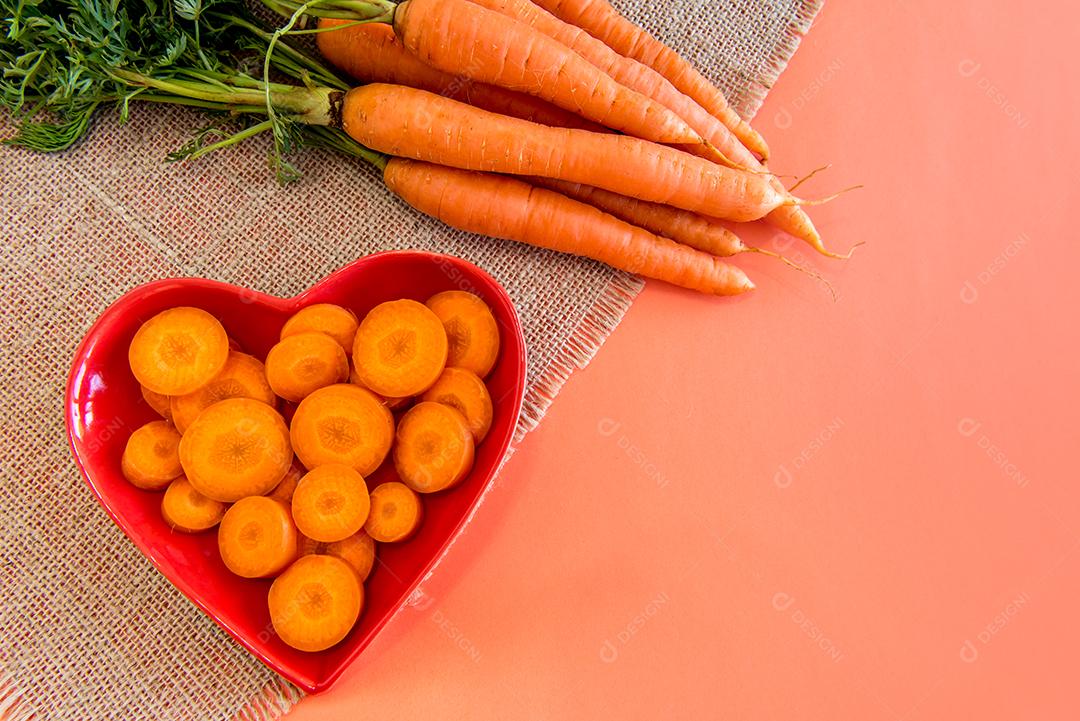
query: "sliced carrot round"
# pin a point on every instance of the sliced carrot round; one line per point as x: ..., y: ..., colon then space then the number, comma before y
x: 342, y: 424
x: 434, y: 448
x: 315, y: 602
x: 471, y: 329
x: 358, y: 550
x: 391, y: 403
x: 400, y: 349
x: 243, y: 376
x: 284, y: 490
x: 303, y: 363
x: 333, y: 320
x: 257, y: 538
x: 331, y: 503
x: 236, y: 448
x: 464, y: 391
x: 178, y: 350
x: 187, y: 510
x: 151, y: 457
x: 158, y: 401
x: 396, y: 513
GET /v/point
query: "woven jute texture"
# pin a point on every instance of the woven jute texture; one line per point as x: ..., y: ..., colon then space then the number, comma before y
x: 88, y: 629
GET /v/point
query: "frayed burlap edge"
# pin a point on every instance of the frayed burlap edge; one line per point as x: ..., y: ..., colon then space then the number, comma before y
x: 580, y: 348
x: 778, y: 61
x: 272, y: 702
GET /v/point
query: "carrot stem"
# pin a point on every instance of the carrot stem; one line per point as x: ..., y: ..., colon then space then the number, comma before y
x: 311, y: 106
x: 203, y: 104
x: 244, y: 134
x: 288, y: 59
x: 372, y: 11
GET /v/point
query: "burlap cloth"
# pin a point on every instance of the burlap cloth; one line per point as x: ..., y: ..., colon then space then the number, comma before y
x: 88, y: 629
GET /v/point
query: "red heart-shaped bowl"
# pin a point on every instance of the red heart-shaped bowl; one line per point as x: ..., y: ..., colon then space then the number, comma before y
x: 104, y: 406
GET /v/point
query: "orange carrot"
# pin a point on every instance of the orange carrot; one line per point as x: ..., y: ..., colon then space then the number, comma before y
x: 690, y: 229
x: 602, y: 21
x: 151, y: 458
x: 396, y: 513
x: 337, y: 322
x: 301, y: 364
x: 626, y: 71
x: 331, y: 503
x: 315, y: 602
x: 471, y: 330
x: 697, y: 231
x: 402, y: 121
x: 243, y: 376
x: 507, y: 208
x: 434, y: 448
x: 342, y: 424
x: 400, y: 348
x: 285, y: 488
x: 178, y: 350
x: 236, y: 448
x: 458, y: 36
x: 391, y: 403
x: 188, y: 511
x: 257, y: 537
x: 465, y: 392
x: 372, y: 53
x: 358, y: 550
x: 158, y: 401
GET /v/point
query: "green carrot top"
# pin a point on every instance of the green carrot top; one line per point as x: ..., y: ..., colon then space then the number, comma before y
x: 63, y: 60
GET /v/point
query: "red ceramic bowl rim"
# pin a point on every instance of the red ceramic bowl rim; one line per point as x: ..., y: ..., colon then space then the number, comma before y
x: 133, y: 295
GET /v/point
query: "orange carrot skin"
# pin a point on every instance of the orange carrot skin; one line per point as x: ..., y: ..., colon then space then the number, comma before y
x: 458, y: 36
x: 682, y: 226
x: 422, y: 126
x: 512, y: 209
x: 602, y: 21
x: 372, y: 53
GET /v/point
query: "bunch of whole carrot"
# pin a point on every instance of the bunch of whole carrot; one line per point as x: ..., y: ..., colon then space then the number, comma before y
x: 560, y: 124
x: 556, y: 123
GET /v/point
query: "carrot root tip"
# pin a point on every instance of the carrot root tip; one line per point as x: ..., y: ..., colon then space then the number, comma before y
x: 821, y: 249
x: 801, y: 268
x: 847, y: 255
x: 809, y: 175
x: 804, y: 203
